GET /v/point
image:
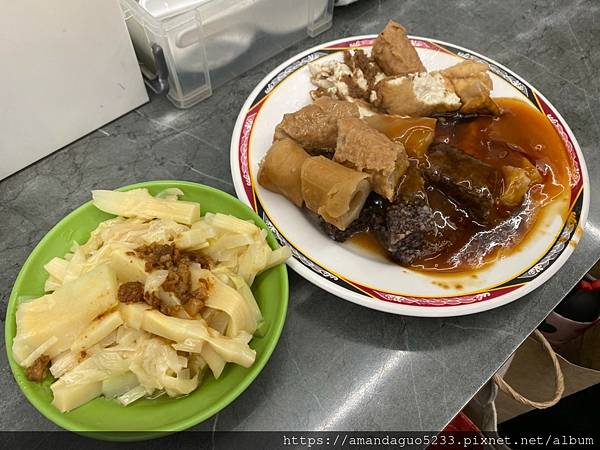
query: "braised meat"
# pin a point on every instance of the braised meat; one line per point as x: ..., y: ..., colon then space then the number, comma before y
x: 473, y: 184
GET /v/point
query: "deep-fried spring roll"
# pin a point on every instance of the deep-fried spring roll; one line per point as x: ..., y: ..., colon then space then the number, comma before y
x: 394, y: 53
x: 472, y: 84
x: 333, y: 191
x: 314, y: 127
x: 363, y: 148
x: 415, y: 133
x: 280, y: 170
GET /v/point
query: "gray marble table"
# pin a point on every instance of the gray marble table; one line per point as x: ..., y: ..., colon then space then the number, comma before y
x: 338, y: 366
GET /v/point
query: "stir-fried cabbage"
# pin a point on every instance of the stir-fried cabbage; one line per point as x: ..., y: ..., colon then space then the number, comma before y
x: 139, y: 203
x: 127, y: 351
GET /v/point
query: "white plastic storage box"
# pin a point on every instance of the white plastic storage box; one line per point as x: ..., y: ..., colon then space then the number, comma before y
x: 193, y: 46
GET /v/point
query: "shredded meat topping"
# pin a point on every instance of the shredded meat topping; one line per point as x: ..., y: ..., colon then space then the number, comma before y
x: 358, y: 59
x: 37, y: 371
x: 170, y: 310
x: 131, y: 292
x: 179, y: 279
x: 354, y: 90
x: 167, y: 256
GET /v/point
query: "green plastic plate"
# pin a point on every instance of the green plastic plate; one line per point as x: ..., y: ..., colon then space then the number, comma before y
x: 145, y: 419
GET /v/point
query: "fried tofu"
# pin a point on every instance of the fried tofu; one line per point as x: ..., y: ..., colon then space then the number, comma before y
x: 418, y: 95
x: 394, y: 53
x: 365, y: 149
x: 464, y: 87
x: 314, y: 127
x: 472, y: 84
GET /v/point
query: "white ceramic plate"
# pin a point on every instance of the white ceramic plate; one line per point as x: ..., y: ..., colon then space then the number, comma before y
x: 355, y: 275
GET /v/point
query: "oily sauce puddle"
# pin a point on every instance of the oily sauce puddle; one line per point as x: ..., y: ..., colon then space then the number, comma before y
x: 520, y: 137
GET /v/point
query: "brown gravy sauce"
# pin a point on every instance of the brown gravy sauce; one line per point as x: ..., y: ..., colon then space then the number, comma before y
x: 521, y: 135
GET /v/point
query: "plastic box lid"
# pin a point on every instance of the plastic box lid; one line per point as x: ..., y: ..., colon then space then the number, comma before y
x: 205, y: 43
